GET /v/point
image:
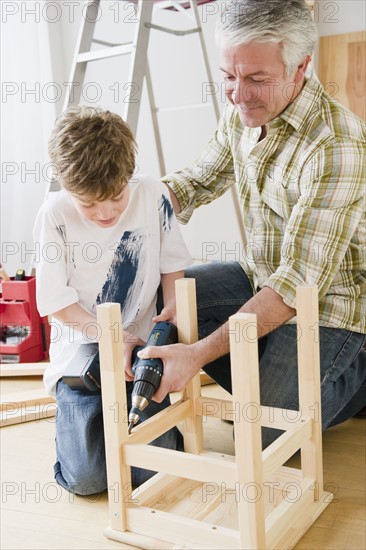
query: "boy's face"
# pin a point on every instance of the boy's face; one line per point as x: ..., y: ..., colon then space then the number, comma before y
x: 104, y: 213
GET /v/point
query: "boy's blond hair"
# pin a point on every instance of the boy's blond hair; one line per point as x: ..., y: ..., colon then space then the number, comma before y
x: 94, y: 152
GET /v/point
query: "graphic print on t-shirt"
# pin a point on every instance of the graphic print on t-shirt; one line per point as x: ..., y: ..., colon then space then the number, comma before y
x: 126, y: 275
x: 165, y: 213
x: 61, y: 230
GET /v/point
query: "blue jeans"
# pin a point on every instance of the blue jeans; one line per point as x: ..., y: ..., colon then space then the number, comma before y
x: 222, y: 288
x: 80, y: 451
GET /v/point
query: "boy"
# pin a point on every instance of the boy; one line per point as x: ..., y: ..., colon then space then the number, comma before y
x: 104, y: 237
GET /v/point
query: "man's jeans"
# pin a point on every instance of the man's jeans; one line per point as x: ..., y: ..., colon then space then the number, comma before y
x: 222, y: 288
x: 80, y: 451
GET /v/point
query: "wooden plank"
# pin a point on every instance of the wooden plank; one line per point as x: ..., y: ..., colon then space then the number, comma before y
x: 342, y: 62
x: 139, y: 541
x: 155, y: 488
x: 22, y: 369
x: 283, y: 476
x: 184, y: 532
x: 160, y: 423
x: 176, y: 463
x: 13, y: 401
x: 283, y: 516
x: 285, y: 446
x: 309, y: 382
x: 248, y: 439
x: 205, y: 379
x: 114, y: 410
x: 281, y: 521
x: 302, y: 522
x: 185, y: 290
x: 35, y: 412
x: 271, y: 417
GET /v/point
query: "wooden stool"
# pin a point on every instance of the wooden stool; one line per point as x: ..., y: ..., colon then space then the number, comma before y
x: 202, y: 499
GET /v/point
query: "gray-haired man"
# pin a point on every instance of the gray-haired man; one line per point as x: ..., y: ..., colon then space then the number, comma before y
x: 297, y: 157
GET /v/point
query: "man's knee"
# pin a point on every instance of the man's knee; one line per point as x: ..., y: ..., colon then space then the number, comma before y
x: 80, y: 479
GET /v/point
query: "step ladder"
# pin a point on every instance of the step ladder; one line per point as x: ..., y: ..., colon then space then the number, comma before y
x: 139, y: 66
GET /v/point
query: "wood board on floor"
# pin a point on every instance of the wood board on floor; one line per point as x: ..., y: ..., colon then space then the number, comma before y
x: 22, y: 369
x: 24, y: 406
x: 52, y: 518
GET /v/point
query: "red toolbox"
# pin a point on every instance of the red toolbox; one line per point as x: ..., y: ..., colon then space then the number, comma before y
x: 25, y: 335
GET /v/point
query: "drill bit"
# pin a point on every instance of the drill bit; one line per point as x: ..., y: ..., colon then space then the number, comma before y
x: 138, y: 405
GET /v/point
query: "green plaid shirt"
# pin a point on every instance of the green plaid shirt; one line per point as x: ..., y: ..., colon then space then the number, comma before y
x: 302, y: 191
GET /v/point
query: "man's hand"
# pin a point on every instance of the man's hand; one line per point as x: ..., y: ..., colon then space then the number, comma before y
x: 129, y: 343
x: 181, y: 363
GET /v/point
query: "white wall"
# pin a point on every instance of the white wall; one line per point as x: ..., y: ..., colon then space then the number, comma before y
x: 27, y: 120
x: 41, y: 51
x: 340, y: 16
x: 179, y: 79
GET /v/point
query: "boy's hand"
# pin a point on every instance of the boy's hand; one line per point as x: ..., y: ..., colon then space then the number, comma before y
x: 168, y: 313
x: 129, y: 343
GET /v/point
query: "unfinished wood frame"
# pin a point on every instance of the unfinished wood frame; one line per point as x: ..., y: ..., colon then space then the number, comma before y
x: 202, y: 499
x: 25, y: 406
x: 22, y: 369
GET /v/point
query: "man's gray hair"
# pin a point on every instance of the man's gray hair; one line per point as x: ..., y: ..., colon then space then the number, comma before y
x: 287, y: 22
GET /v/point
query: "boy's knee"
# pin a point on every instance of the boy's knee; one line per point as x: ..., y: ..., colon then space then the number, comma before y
x: 80, y: 480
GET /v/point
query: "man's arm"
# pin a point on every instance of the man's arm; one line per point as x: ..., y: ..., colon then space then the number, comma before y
x: 182, y: 362
x: 209, y: 177
x: 271, y: 312
x: 174, y: 200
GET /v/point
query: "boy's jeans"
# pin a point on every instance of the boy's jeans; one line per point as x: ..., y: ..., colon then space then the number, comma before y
x: 81, y: 465
x: 222, y: 288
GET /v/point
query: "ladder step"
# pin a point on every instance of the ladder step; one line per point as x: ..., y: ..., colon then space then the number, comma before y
x: 104, y: 53
x: 181, y: 107
x: 172, y: 31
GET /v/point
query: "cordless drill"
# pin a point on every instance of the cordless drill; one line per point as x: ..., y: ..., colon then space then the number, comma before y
x: 148, y: 372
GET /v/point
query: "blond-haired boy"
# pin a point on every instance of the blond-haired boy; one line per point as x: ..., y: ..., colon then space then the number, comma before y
x: 108, y: 235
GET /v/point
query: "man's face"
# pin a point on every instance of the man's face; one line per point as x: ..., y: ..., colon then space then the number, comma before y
x: 103, y: 213
x: 256, y: 82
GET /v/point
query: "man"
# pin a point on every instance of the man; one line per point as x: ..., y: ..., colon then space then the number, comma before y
x: 297, y: 157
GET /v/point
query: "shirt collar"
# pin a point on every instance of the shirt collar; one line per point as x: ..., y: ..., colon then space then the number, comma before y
x: 297, y: 112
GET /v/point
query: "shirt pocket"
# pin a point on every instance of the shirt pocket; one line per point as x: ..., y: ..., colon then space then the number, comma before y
x: 279, y: 189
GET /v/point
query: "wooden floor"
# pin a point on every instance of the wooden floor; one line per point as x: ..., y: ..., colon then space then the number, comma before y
x: 37, y: 514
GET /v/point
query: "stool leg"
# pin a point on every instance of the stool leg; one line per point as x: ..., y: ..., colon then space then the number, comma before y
x: 114, y: 411
x: 309, y: 382
x: 187, y: 334
x: 247, y: 430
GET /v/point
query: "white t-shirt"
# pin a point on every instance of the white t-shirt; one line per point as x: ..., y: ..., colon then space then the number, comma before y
x: 80, y: 262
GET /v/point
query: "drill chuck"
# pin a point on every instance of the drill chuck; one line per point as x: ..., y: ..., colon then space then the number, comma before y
x: 148, y: 372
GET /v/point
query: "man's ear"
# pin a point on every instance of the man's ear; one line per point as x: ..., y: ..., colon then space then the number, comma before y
x: 301, y: 69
